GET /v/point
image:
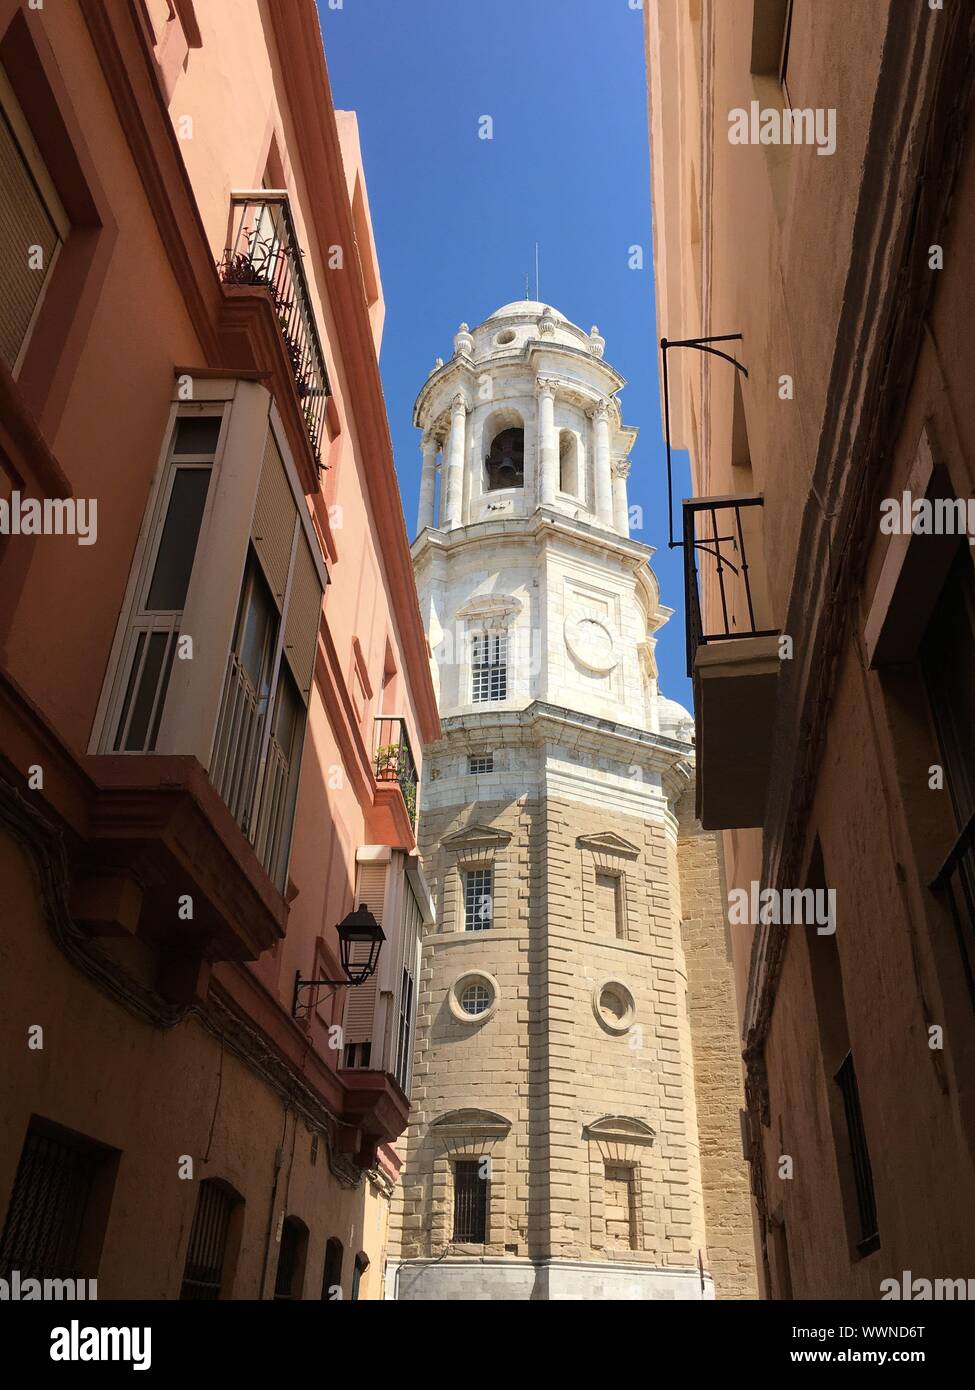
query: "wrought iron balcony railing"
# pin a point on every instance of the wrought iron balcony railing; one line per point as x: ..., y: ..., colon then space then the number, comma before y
x: 395, y: 763
x: 724, y: 571
x: 956, y: 881
x: 263, y: 251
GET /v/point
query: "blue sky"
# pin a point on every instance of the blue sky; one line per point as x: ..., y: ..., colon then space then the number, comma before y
x: 456, y: 217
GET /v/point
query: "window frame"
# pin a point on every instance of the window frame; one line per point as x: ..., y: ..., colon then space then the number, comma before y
x: 12, y: 112
x: 469, y: 905
x: 490, y: 676
x: 138, y: 617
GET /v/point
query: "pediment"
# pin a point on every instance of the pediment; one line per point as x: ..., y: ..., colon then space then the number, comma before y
x: 476, y: 836
x: 484, y: 607
x: 480, y: 1122
x: 609, y: 843
x: 626, y: 1129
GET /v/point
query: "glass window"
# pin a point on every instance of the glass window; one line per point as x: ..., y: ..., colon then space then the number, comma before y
x: 477, y: 899
x: 177, y: 545
x: 489, y: 667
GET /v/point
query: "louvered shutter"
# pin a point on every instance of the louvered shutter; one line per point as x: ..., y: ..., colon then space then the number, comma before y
x: 303, y: 619
x: 360, y: 1005
x: 275, y: 515
x: 24, y: 222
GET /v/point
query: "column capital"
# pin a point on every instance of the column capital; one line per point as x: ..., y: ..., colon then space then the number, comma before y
x: 599, y: 410
x: 545, y: 386
x: 621, y: 468
x: 459, y: 402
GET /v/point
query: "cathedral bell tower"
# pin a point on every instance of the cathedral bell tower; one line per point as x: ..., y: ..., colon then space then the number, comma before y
x: 553, y: 1149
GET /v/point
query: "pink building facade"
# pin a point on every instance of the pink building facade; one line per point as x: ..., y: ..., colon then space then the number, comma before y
x: 214, y: 684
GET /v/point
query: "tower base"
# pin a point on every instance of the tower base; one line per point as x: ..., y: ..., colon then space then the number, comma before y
x: 508, y: 1279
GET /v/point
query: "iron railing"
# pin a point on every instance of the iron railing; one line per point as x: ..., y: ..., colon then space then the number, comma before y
x: 955, y: 881
x: 395, y: 762
x: 846, y: 1079
x: 263, y: 251
x: 724, y: 572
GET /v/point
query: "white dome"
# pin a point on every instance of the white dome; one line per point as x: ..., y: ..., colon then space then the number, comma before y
x: 528, y: 308
x: 674, y: 720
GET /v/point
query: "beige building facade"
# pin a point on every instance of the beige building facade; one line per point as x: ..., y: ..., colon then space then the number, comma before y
x: 814, y: 196
x: 555, y: 1145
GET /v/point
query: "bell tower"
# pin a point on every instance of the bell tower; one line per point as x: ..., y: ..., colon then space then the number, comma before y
x: 553, y: 1149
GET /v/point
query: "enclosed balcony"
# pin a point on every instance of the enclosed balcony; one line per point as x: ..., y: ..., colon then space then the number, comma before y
x: 732, y: 657
x: 263, y: 252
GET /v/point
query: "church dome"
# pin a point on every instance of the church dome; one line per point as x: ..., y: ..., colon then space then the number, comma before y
x: 528, y: 308
x: 674, y: 720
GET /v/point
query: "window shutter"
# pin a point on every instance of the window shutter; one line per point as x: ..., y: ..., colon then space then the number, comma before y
x: 304, y: 616
x: 24, y: 222
x: 275, y: 515
x: 360, y: 1004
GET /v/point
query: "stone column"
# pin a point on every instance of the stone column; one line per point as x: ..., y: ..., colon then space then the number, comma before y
x: 548, y: 460
x: 621, y: 511
x: 453, y: 484
x: 604, y: 483
x: 428, y: 482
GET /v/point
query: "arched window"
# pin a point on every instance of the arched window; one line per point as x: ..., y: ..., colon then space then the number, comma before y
x: 290, y: 1279
x: 568, y: 463
x: 332, y: 1278
x: 506, y: 461
x: 361, y: 1265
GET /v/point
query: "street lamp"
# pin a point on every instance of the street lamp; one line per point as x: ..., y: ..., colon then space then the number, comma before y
x: 360, y: 933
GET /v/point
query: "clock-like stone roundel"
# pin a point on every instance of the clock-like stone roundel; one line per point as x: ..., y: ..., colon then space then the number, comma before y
x: 592, y: 642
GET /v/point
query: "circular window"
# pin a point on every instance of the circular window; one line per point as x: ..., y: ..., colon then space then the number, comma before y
x: 506, y: 336
x: 614, y: 1006
x: 473, y: 997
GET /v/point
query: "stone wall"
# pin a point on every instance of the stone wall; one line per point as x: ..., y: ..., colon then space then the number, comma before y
x: 717, y: 1058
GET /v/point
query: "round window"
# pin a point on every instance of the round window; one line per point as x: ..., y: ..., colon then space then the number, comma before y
x: 475, y: 999
x: 506, y: 336
x: 614, y: 1006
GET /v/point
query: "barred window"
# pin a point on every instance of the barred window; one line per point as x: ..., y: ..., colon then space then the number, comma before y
x: 207, y: 1251
x: 477, y: 899
x: 470, y: 1202
x: 483, y: 763
x: 489, y: 667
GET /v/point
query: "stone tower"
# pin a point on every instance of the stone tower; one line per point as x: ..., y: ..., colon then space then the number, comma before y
x: 553, y: 1150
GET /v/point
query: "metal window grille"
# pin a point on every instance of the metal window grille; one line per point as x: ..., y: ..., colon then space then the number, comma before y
x: 483, y: 763
x: 47, y: 1208
x: 203, y: 1274
x: 470, y: 1202
x: 477, y: 899
x: 489, y: 667
x: 846, y: 1079
x: 475, y: 999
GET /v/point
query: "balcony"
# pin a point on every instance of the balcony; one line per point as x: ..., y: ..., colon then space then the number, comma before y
x: 263, y: 252
x: 395, y: 767
x: 732, y: 658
